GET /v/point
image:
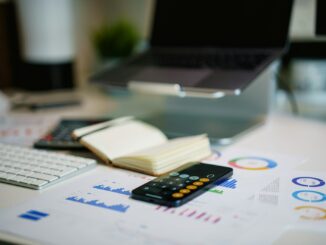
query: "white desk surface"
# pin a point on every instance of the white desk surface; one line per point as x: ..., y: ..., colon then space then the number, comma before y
x: 282, y: 133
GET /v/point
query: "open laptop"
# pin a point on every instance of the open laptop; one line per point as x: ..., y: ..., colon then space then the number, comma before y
x: 206, y: 46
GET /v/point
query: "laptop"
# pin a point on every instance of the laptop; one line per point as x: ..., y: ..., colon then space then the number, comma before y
x: 207, y: 46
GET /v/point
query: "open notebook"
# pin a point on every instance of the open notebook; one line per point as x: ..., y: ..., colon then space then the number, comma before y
x: 138, y: 146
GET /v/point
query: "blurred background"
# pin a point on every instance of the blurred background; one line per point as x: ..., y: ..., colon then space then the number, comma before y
x: 57, y: 44
x: 74, y: 23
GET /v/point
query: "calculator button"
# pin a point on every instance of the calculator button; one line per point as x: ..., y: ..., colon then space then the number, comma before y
x: 174, y: 174
x: 165, y: 193
x: 174, y: 188
x: 185, y: 191
x: 210, y: 176
x: 154, y: 184
x: 194, y: 177
x: 188, y: 181
x: 191, y: 187
x: 153, y: 190
x: 204, y: 179
x: 184, y: 176
x: 177, y: 195
x: 198, y: 183
x: 180, y: 185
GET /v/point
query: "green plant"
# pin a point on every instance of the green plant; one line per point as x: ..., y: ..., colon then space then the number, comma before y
x: 117, y: 40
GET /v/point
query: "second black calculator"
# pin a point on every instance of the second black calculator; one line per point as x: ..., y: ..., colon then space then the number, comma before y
x: 182, y: 185
x: 60, y: 136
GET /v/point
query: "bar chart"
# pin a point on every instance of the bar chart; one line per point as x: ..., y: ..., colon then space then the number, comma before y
x: 190, y: 213
x: 96, y: 203
x: 119, y: 190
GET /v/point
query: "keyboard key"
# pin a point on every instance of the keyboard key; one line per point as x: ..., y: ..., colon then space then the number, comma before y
x: 67, y: 171
x: 35, y: 182
x: 44, y: 176
x: 10, y: 176
x: 19, y: 178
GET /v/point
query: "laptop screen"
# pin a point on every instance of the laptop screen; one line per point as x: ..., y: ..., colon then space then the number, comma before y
x: 213, y: 23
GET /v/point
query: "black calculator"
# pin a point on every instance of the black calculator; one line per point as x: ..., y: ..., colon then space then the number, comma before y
x: 60, y: 136
x: 182, y: 185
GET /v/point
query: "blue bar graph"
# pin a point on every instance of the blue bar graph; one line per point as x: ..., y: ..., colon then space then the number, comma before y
x: 29, y: 217
x: 118, y: 207
x: 229, y: 183
x: 38, y: 213
x: 33, y: 215
x: 115, y: 190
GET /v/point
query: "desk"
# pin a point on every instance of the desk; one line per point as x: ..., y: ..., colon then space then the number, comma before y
x: 282, y: 133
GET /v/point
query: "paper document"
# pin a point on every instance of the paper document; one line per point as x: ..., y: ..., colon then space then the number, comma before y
x: 96, y: 208
x: 296, y: 201
x: 252, y: 170
x: 24, y: 129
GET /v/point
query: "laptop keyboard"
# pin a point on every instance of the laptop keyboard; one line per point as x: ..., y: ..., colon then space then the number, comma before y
x: 245, y: 61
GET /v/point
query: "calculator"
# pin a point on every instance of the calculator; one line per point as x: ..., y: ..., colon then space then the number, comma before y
x: 182, y: 185
x: 60, y: 136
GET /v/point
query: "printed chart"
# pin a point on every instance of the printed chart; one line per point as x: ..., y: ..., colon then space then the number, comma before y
x: 213, y: 158
x: 309, y: 196
x: 190, y: 213
x: 229, y: 183
x: 221, y: 186
x: 96, y: 203
x: 33, y: 215
x: 307, y: 181
x: 252, y: 163
x: 107, y: 194
x: 25, y: 129
x: 311, y: 212
x: 119, y: 190
x: 98, y: 207
x: 311, y: 191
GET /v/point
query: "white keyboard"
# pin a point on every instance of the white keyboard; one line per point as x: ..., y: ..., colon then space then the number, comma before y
x: 38, y: 169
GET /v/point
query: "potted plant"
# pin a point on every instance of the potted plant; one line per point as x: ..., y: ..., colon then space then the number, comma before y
x: 115, y: 41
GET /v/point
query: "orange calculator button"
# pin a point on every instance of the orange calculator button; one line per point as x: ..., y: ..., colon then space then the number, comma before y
x: 184, y: 191
x: 198, y: 183
x: 177, y: 195
x: 191, y: 187
x: 204, y: 179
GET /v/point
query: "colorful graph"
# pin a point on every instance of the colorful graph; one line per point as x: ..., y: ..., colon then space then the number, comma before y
x: 216, y: 191
x: 252, y: 163
x: 190, y: 214
x: 229, y: 183
x: 308, y: 181
x: 121, y: 191
x: 311, y: 212
x: 33, y: 215
x: 309, y: 196
x: 119, y: 207
x: 216, y: 155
